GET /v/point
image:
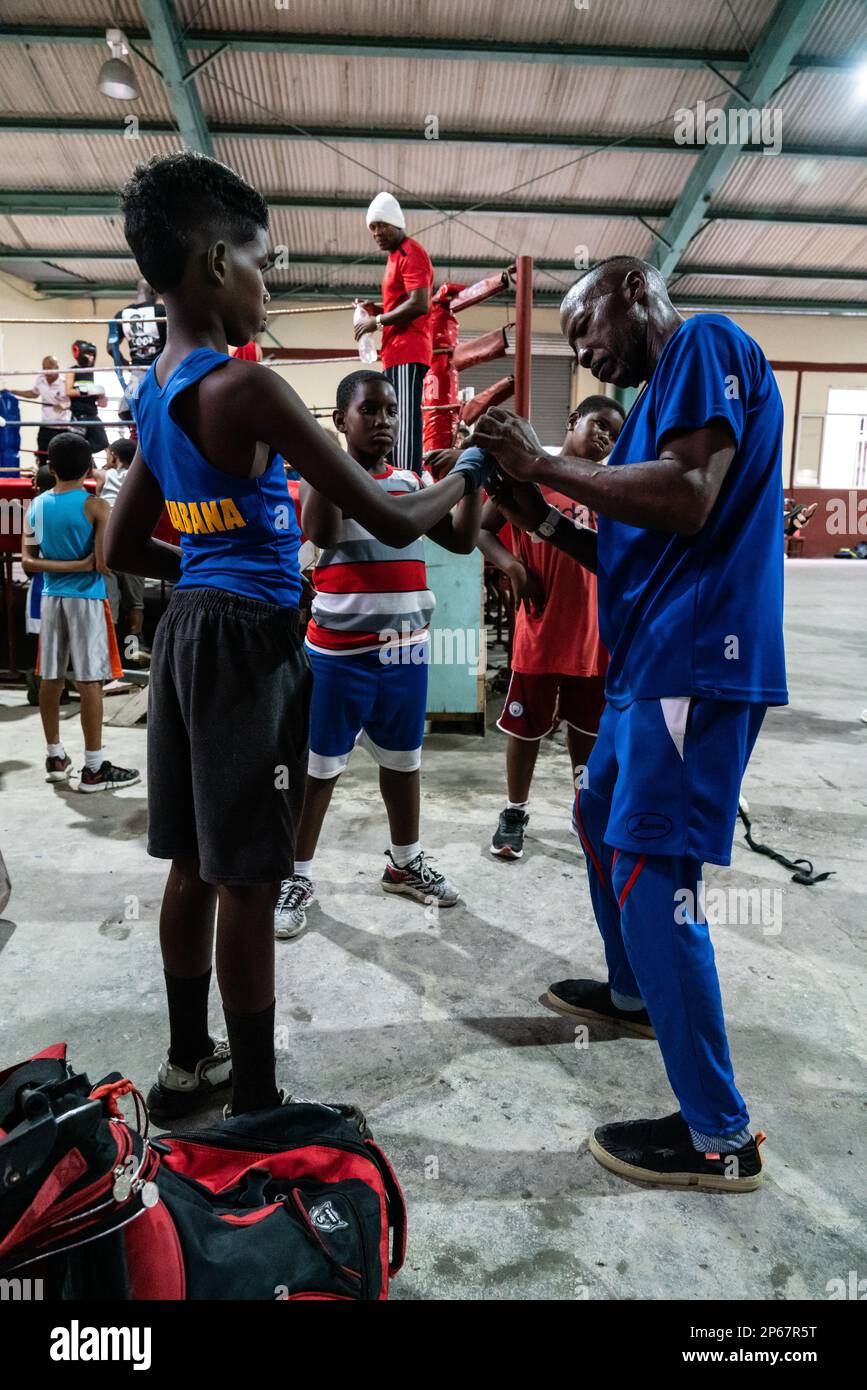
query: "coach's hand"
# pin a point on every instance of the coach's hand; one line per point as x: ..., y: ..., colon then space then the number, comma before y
x: 439, y: 462
x: 520, y: 503
x: 511, y: 439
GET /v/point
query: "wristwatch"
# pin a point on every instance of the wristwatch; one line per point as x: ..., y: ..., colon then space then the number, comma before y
x: 379, y: 323
x: 545, y: 530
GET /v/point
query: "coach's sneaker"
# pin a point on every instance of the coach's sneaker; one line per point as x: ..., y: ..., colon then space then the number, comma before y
x: 508, y: 841
x: 177, y: 1092
x: 590, y: 999
x: 108, y: 777
x: 662, y: 1152
x: 419, y: 881
x: 290, y: 914
x: 57, y: 769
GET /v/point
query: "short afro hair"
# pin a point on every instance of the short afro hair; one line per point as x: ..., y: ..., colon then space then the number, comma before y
x: 166, y: 201
x: 591, y: 403
x: 124, y: 449
x: 350, y: 384
x: 69, y: 456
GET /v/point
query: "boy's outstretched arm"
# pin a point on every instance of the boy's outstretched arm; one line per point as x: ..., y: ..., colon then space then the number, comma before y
x: 279, y: 416
x: 129, y: 543
x: 321, y: 520
x: 489, y: 543
x: 459, y: 531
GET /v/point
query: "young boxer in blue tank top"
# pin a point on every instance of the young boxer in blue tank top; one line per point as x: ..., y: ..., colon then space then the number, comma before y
x: 230, y: 683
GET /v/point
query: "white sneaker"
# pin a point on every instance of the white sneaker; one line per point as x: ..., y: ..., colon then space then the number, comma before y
x: 418, y: 881
x: 177, y: 1092
x: 290, y: 914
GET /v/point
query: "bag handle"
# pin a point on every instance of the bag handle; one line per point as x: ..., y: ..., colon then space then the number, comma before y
x: 396, y: 1208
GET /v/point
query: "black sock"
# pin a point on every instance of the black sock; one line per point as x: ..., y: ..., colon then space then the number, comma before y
x: 190, y: 1040
x: 254, y: 1080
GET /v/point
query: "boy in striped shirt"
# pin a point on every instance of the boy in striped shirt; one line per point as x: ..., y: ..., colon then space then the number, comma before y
x: 368, y: 645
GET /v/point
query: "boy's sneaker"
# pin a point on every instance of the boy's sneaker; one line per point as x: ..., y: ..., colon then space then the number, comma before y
x: 590, y: 999
x: 57, y: 769
x: 290, y: 914
x: 419, y: 881
x: 662, y: 1152
x: 177, y: 1092
x: 508, y: 841
x: 108, y: 777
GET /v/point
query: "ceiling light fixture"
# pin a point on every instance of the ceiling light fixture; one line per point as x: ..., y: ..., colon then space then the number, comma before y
x: 116, y: 78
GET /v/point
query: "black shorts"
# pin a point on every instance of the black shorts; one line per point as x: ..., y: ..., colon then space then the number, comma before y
x: 228, y: 721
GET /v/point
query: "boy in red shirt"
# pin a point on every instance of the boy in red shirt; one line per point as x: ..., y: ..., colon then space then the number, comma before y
x: 558, y: 661
x: 404, y: 317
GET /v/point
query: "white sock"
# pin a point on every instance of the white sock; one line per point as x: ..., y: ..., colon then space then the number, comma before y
x: 518, y: 806
x: 304, y: 868
x: 404, y: 854
x: 94, y: 761
x: 56, y: 750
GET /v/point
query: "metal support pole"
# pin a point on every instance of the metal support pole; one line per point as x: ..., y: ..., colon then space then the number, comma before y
x: 523, y: 333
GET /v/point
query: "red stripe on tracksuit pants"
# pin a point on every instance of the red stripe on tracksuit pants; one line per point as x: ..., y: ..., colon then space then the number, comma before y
x: 656, y: 951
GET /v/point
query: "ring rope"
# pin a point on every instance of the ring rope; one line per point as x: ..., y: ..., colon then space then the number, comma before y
x: 160, y: 318
x: 268, y: 362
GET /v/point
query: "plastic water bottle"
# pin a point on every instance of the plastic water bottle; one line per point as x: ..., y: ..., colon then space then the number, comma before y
x: 367, y: 349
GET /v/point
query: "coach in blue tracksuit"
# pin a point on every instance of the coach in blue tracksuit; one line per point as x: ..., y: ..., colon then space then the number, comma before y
x: 690, y: 571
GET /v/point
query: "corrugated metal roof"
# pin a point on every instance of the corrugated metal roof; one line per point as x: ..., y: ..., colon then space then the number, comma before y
x: 56, y: 80
x: 677, y: 23
x: 99, y: 12
x: 48, y: 79
x: 759, y: 243
x: 795, y: 290
x: 242, y: 87
x: 69, y: 162
x: 99, y: 233
x: 823, y: 107
x: 771, y: 181
x: 432, y: 170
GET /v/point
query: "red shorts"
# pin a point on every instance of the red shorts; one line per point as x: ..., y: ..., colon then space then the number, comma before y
x: 535, y: 704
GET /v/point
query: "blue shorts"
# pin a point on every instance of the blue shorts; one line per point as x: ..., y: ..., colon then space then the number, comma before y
x: 671, y: 772
x: 362, y: 699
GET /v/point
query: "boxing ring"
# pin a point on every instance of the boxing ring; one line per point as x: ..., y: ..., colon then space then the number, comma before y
x: 457, y: 680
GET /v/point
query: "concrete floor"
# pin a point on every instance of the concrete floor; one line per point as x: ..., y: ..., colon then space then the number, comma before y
x: 434, y: 1025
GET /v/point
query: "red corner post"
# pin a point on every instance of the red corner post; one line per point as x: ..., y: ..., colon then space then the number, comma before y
x: 523, y: 333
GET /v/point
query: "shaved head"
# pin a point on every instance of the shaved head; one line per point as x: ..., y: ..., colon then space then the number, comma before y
x: 616, y: 317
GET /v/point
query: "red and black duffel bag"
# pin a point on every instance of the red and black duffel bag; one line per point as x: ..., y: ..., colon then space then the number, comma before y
x: 292, y: 1203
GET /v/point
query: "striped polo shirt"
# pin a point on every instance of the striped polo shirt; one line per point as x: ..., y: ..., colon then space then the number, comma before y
x: 368, y: 593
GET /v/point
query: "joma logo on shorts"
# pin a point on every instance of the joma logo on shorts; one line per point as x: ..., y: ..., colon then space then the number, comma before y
x: 648, y: 825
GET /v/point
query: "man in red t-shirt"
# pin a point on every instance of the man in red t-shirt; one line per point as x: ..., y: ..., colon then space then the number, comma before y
x: 558, y: 661
x: 404, y: 318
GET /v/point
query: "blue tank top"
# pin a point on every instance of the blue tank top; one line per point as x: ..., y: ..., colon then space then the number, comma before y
x: 63, y: 532
x: 238, y: 534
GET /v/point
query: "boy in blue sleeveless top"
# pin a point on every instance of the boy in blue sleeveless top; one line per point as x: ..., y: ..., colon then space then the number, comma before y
x: 64, y: 540
x: 230, y: 683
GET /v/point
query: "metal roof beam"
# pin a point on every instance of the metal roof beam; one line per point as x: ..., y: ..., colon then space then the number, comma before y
x: 474, y: 50
x: 33, y: 202
x: 171, y: 54
x: 390, y: 135
x: 853, y: 275
x: 541, y: 298
x: 771, y: 60
x: 449, y: 50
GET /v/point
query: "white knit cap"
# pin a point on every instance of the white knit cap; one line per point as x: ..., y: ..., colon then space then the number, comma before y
x: 386, y: 208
